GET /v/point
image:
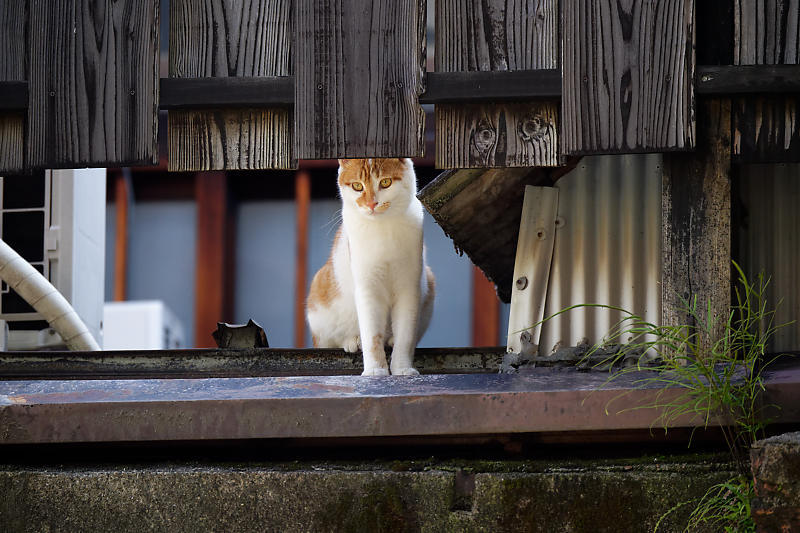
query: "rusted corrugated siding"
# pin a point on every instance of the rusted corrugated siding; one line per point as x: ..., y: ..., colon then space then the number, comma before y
x: 608, y: 249
x: 769, y: 240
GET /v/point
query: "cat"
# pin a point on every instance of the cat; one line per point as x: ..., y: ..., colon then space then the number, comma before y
x: 375, y: 288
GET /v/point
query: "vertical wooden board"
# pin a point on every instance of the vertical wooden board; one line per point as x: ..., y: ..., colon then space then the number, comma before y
x: 496, y: 135
x: 489, y: 35
x: 484, y: 35
x: 359, y: 73
x: 93, y: 76
x: 537, y: 233
x: 628, y: 76
x: 696, y: 227
x: 767, y: 32
x: 13, y: 18
x: 219, y: 38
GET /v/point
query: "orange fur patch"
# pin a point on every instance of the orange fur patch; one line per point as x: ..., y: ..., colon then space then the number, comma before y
x: 323, y: 287
x: 377, y: 342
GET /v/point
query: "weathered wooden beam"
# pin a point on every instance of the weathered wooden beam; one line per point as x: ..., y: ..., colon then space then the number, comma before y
x: 220, y: 39
x: 213, y: 299
x: 485, y: 310
x: 360, y: 69
x: 491, y: 86
x: 628, y: 76
x: 93, y: 74
x: 767, y: 32
x: 696, y: 224
x: 496, y: 36
x: 197, y: 93
x: 13, y: 23
x: 748, y: 79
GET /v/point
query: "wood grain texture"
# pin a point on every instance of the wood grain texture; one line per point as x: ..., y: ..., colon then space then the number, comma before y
x: 222, y: 38
x: 496, y: 135
x: 628, y: 76
x: 496, y: 35
x: 767, y: 32
x: 13, y: 18
x: 696, y: 227
x: 359, y: 72
x: 93, y: 83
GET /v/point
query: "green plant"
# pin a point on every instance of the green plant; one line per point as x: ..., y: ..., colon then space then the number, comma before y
x: 709, y: 369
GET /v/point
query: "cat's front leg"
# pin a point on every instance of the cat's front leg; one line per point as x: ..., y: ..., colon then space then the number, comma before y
x: 372, y: 325
x: 404, y: 329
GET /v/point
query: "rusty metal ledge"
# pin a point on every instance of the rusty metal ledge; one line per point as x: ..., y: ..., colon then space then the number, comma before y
x: 229, y: 363
x: 545, y: 400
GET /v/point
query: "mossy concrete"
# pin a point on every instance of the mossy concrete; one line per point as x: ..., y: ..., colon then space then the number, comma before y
x: 535, y: 496
x: 776, y: 469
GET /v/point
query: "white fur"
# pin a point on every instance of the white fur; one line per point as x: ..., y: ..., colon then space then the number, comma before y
x: 379, y: 267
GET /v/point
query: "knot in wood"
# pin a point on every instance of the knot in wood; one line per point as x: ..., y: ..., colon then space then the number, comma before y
x: 532, y: 128
x: 483, y: 138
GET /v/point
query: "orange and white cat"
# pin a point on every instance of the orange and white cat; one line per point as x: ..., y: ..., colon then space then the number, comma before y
x: 375, y: 288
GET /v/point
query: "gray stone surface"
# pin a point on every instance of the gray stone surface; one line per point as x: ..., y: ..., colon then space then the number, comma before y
x: 535, y: 496
x: 776, y: 469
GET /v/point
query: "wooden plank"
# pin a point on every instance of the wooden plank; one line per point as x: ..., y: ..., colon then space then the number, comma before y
x: 537, y: 233
x: 359, y: 72
x: 213, y: 303
x: 748, y: 79
x: 193, y: 93
x: 495, y: 35
x: 302, y: 202
x: 494, y: 86
x: 496, y: 135
x: 93, y: 83
x: 121, y: 202
x: 485, y: 310
x: 628, y: 76
x: 767, y: 32
x: 13, y: 20
x: 218, y: 38
x: 696, y: 227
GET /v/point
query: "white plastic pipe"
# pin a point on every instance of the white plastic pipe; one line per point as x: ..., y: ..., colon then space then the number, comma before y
x: 45, y: 299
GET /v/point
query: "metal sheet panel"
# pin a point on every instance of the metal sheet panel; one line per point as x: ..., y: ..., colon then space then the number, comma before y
x: 607, y: 247
x: 769, y: 241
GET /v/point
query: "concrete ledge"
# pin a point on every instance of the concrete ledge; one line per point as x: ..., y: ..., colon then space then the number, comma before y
x: 466, y: 496
x: 544, y: 400
x: 776, y: 469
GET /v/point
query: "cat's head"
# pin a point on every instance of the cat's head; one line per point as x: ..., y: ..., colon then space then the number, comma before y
x: 375, y: 187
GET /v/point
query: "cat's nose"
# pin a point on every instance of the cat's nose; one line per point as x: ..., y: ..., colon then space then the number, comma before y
x: 372, y: 205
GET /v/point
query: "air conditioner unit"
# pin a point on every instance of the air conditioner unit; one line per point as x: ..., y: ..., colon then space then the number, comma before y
x: 141, y: 325
x: 55, y: 219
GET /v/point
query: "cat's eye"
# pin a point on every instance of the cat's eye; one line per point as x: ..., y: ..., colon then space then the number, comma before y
x: 385, y: 182
x: 357, y: 186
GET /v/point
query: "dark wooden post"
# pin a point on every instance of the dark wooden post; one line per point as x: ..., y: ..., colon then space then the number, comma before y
x: 485, y: 310
x: 302, y: 201
x: 13, y: 18
x: 216, y: 38
x: 213, y: 299
x: 93, y: 83
x: 495, y: 35
x: 359, y: 72
x: 121, y: 201
x: 628, y: 76
x: 696, y: 227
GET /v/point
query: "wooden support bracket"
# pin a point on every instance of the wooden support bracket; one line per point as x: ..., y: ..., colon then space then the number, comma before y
x: 537, y: 232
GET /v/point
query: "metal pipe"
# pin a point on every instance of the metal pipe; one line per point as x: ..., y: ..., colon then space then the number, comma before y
x: 34, y: 288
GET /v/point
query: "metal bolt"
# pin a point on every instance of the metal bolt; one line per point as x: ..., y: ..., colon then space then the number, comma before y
x: 319, y: 86
x: 52, y: 93
x: 522, y: 282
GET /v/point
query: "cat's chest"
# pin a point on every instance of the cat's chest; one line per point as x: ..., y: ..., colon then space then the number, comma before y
x: 385, y: 243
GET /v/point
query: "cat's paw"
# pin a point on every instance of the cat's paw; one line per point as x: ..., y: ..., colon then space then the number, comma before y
x: 407, y: 371
x: 375, y: 371
x: 352, y: 345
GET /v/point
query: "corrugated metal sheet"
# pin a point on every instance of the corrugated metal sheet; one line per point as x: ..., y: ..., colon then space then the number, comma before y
x: 607, y: 247
x: 769, y: 240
